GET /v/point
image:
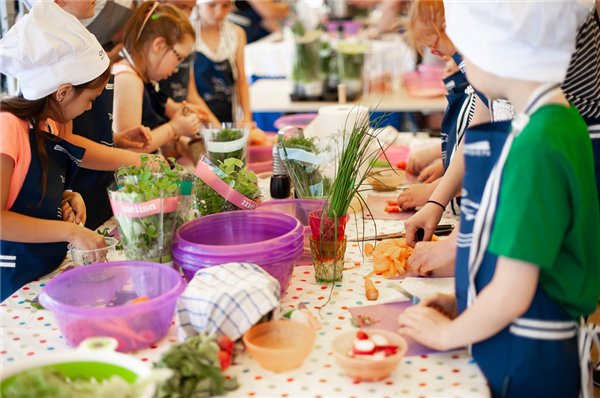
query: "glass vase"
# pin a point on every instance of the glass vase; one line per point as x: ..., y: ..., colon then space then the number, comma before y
x: 328, y: 259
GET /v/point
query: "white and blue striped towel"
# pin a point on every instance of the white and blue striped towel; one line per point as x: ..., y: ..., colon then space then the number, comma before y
x: 226, y: 299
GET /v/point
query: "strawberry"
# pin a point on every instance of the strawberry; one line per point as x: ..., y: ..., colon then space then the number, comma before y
x: 225, y: 359
x: 362, y: 335
x: 225, y: 344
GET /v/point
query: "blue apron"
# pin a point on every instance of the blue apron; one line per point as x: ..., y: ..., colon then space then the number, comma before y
x: 535, y: 356
x: 458, y: 114
x: 176, y: 85
x: 215, y: 83
x: 22, y: 263
x: 96, y: 125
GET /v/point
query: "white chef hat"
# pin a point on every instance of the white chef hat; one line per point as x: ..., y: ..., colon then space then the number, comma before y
x: 49, y: 47
x: 526, y: 40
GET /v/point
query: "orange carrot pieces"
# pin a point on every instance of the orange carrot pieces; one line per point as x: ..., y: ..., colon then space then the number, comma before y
x: 392, y: 202
x: 370, y: 290
x: 368, y: 249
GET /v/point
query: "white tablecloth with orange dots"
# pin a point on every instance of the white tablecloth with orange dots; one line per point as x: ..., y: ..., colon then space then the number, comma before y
x: 27, y: 332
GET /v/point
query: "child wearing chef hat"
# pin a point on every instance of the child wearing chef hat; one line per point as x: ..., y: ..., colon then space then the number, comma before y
x: 219, y: 65
x: 528, y: 260
x: 61, y: 68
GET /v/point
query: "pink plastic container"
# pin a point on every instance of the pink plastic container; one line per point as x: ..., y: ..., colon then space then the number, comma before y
x: 260, y: 158
x: 274, y: 241
x: 298, y: 120
x: 98, y: 300
x: 298, y: 208
x: 418, y: 86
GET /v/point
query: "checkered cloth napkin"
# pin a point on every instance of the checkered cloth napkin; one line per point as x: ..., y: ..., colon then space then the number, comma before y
x: 227, y: 299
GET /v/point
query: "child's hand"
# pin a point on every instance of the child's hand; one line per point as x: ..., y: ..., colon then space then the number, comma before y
x: 73, y: 208
x: 416, y: 195
x: 427, y: 218
x: 85, y: 239
x: 444, y: 303
x: 429, y: 256
x: 418, y: 160
x: 135, y: 138
x: 194, y: 108
x: 431, y: 173
x: 185, y: 122
x: 426, y: 325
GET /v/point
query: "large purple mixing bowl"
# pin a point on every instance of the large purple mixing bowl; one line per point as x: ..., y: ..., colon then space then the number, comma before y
x: 272, y: 240
x: 100, y: 300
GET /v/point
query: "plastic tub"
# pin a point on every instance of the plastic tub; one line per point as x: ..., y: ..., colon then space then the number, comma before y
x: 98, y: 300
x: 272, y: 240
x: 95, y: 358
x: 298, y: 208
x: 297, y: 120
x: 418, y: 86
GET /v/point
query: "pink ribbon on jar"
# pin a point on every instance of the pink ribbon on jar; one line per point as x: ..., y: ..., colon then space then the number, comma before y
x: 204, y: 172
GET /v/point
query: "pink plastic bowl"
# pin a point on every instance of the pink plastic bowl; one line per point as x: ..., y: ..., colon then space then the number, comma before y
x: 298, y: 208
x: 266, y: 238
x: 418, y: 86
x: 96, y: 300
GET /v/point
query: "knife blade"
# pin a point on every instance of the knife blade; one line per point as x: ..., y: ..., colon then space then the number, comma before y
x: 414, y: 299
x: 442, y: 229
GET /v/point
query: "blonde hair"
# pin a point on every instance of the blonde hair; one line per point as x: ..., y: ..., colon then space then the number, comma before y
x: 149, y: 21
x: 426, y: 17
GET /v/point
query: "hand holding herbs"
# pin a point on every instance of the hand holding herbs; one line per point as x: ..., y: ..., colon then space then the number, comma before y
x: 231, y: 171
x: 197, y: 367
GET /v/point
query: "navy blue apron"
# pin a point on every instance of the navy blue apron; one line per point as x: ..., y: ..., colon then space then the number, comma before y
x: 458, y: 114
x: 176, y: 85
x: 535, y: 356
x: 22, y: 263
x: 214, y: 81
x: 96, y: 124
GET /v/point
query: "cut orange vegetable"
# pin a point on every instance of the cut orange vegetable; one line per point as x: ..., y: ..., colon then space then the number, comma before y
x: 392, y: 209
x: 392, y: 202
x: 370, y: 290
x: 139, y: 300
x: 368, y: 249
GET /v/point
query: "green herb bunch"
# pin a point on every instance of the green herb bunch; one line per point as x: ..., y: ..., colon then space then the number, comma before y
x: 308, y: 180
x: 208, y: 201
x: 226, y: 135
x: 197, y: 370
x: 307, y: 65
x: 360, y: 145
x: 149, y: 237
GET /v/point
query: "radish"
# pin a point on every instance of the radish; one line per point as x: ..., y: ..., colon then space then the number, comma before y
x: 362, y: 335
x: 379, y: 340
x: 363, y: 347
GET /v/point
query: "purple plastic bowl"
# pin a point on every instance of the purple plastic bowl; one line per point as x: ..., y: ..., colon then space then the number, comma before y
x: 297, y: 120
x: 298, y: 208
x: 96, y: 300
x: 274, y: 241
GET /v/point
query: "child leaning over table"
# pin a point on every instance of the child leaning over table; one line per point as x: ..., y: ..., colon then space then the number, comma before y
x: 528, y: 261
x: 61, y: 72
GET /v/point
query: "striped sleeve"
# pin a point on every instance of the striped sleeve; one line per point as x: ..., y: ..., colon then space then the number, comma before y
x: 582, y: 84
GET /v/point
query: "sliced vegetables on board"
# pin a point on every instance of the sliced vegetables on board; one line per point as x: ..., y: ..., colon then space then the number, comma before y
x: 390, y: 257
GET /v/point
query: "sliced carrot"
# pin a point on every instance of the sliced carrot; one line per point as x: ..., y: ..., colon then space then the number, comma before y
x: 368, y: 249
x: 392, y: 202
x: 140, y: 299
x: 392, y: 209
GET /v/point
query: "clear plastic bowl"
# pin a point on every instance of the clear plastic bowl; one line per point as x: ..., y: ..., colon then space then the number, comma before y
x: 98, y: 300
x: 274, y: 241
x: 86, y: 257
x: 418, y: 86
x: 298, y: 208
x: 280, y: 346
x: 364, y: 369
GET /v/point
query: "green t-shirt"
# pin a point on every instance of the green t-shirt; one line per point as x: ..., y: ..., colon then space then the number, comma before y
x: 548, y: 208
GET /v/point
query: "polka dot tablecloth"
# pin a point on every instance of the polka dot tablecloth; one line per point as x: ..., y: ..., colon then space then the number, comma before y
x: 28, y: 332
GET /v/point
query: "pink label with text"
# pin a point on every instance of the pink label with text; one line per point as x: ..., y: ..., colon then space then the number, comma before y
x: 145, y: 208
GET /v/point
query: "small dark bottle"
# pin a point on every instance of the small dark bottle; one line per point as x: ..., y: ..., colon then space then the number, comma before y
x: 280, y: 187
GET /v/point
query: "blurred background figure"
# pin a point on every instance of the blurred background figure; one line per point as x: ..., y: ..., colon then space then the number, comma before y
x: 258, y: 18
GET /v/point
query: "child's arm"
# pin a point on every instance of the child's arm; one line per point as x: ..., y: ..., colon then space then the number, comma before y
x: 242, y: 83
x: 503, y: 300
x: 101, y: 157
x: 16, y: 227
